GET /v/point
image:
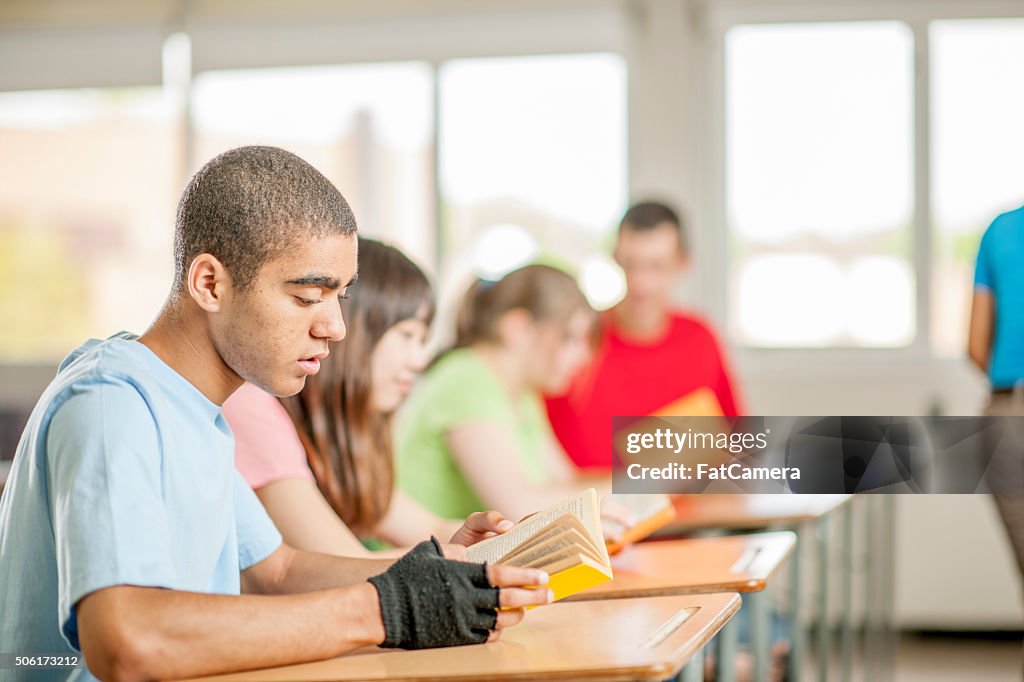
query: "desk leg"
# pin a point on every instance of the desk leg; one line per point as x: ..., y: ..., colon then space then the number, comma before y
x: 889, y: 586
x: 823, y: 621
x: 727, y: 638
x: 796, y: 590
x: 870, y: 588
x: 846, y: 627
x: 694, y: 670
x: 760, y: 616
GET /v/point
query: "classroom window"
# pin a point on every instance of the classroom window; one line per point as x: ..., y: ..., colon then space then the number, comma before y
x: 88, y: 183
x: 532, y: 155
x: 368, y: 127
x: 977, y: 110
x: 819, y: 184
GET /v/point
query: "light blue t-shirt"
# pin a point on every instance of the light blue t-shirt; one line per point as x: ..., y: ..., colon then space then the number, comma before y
x: 124, y: 476
x: 1000, y: 269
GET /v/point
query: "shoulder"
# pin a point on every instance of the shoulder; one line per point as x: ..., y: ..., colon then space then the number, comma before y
x: 457, y: 368
x: 103, y: 376
x: 1005, y: 223
x: 459, y: 388
x: 693, y: 326
x: 98, y: 414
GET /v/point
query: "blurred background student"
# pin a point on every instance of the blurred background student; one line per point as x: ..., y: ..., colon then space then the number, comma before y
x: 652, y: 358
x: 474, y: 435
x: 321, y: 461
x: 996, y: 346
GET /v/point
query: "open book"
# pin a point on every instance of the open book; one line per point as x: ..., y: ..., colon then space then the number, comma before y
x: 653, y: 511
x: 565, y: 540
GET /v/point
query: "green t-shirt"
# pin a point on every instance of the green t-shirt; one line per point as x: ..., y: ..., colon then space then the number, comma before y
x: 461, y: 389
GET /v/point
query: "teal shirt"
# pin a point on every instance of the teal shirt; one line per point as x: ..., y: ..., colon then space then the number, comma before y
x: 1000, y: 269
x: 461, y: 389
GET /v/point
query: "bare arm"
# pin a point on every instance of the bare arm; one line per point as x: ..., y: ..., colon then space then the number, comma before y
x: 490, y: 461
x: 408, y: 522
x: 982, y: 328
x: 488, y: 457
x: 306, y: 520
x: 130, y: 633
x: 291, y: 571
x: 308, y: 523
x: 560, y: 468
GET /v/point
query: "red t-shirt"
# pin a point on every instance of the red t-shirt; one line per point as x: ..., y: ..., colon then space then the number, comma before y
x: 682, y: 372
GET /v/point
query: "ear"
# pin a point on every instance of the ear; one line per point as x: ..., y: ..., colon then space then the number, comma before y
x: 515, y: 327
x: 208, y: 281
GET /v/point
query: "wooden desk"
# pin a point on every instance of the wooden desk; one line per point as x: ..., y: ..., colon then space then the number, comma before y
x: 738, y: 563
x: 801, y: 513
x: 638, y: 639
x: 733, y: 563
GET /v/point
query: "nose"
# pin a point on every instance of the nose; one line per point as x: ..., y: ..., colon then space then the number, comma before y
x: 330, y: 325
x: 418, y: 358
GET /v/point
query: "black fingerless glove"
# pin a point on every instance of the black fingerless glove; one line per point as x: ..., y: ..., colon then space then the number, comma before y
x: 428, y: 601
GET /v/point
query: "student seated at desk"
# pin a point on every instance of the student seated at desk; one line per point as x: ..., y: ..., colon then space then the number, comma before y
x: 473, y: 434
x: 321, y: 461
x: 651, y: 359
x: 127, y: 539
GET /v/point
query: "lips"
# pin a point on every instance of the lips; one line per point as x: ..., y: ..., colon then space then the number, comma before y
x: 311, y: 365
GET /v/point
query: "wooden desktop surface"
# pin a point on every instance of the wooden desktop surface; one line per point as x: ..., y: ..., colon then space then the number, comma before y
x: 735, y: 563
x: 739, y: 511
x: 638, y: 639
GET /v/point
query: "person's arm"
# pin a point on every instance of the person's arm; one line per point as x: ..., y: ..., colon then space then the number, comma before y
x: 308, y: 522
x: 559, y: 467
x: 489, y: 459
x: 490, y: 462
x: 982, y: 328
x: 138, y: 633
x: 408, y: 522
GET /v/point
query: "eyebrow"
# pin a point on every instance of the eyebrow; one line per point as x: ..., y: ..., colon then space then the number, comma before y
x: 321, y: 281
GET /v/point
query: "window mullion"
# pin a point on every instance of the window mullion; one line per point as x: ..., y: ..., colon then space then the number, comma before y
x: 922, y: 223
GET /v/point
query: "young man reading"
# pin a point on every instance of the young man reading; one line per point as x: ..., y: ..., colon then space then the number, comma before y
x: 125, y: 532
x: 651, y: 359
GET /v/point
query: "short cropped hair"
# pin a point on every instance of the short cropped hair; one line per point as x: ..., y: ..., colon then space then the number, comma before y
x: 248, y: 205
x: 647, y: 215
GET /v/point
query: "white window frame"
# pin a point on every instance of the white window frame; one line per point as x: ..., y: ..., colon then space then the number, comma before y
x: 917, y: 15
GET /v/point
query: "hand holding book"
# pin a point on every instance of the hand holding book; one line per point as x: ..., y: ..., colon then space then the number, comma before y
x: 565, y: 540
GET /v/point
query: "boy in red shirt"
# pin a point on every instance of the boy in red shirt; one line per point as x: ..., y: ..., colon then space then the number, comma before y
x: 651, y: 359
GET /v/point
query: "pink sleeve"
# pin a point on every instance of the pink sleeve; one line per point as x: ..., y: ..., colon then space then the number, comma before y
x: 267, y: 448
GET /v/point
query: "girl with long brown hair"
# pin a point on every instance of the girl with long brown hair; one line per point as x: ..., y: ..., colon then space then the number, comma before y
x: 321, y: 461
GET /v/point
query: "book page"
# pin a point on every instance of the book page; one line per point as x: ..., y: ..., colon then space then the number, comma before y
x: 571, y: 540
x: 556, y: 529
x: 584, y: 507
x: 565, y: 556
